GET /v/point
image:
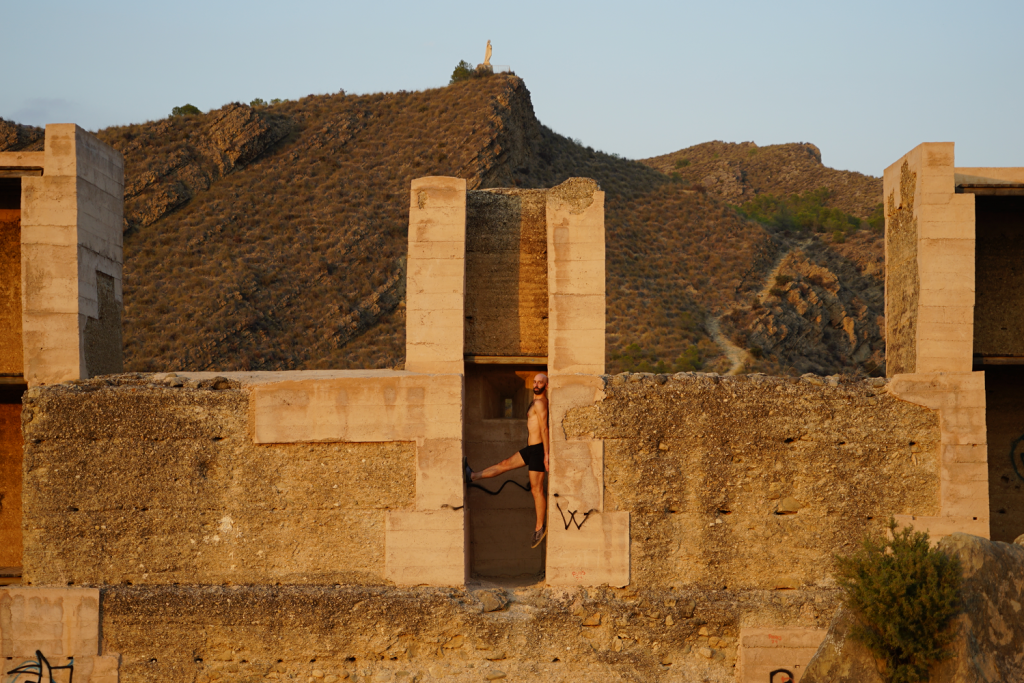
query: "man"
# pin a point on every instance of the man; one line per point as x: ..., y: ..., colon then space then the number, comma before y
x: 534, y: 456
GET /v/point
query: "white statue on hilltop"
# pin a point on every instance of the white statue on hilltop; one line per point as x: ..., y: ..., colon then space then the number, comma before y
x: 487, y: 55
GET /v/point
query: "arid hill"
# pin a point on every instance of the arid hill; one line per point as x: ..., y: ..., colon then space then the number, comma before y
x: 274, y: 237
x: 737, y: 172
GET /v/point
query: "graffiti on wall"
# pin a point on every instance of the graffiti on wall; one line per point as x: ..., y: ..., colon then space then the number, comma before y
x: 39, y: 670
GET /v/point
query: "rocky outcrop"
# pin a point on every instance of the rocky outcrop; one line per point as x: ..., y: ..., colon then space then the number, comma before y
x: 223, y: 141
x: 990, y: 633
x: 820, y: 311
x: 737, y: 172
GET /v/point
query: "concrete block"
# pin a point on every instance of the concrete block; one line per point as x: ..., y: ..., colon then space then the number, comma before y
x: 595, y: 554
x: 368, y: 406
x: 50, y: 346
x: 964, y: 453
x: 937, y: 155
x: 939, y: 527
x: 949, y: 315
x: 59, y: 155
x: 425, y: 547
x: 577, y: 475
x: 60, y: 622
x: 97, y: 669
x: 950, y: 296
x: 421, y: 284
x: 579, y: 352
x: 581, y: 312
x: 439, y: 474
x: 764, y: 650
x: 430, y: 301
x: 31, y: 159
x: 578, y: 277
x: 455, y: 251
x: 945, y: 332
x: 47, y: 201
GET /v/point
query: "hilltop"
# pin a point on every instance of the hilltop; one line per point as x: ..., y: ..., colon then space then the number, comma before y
x: 273, y: 237
x: 738, y: 172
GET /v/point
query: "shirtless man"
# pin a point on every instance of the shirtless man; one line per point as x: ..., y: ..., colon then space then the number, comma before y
x: 534, y: 456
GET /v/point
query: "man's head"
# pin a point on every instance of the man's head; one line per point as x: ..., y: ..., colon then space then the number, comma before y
x: 540, y: 383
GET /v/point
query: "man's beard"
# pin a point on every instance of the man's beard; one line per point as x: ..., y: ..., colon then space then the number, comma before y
x: 538, y: 392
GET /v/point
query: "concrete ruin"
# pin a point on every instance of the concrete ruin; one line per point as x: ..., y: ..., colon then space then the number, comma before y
x: 315, y: 525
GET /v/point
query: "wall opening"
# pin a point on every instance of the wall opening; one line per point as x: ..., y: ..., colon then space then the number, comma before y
x: 1004, y: 417
x: 999, y: 277
x: 11, y: 358
x: 501, y: 526
x: 11, y: 453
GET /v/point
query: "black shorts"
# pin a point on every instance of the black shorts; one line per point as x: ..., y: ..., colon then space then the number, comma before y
x: 533, y: 456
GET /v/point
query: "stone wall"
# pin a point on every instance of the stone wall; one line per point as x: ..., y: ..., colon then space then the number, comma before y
x: 998, y: 324
x: 902, y: 284
x: 328, y: 634
x: 506, y: 272
x: 143, y: 483
x: 754, y: 482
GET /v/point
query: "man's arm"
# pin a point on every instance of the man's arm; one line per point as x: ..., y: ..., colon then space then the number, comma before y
x: 542, y: 415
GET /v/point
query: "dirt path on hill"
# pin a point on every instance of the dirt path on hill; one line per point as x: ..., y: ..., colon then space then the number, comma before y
x: 737, y: 356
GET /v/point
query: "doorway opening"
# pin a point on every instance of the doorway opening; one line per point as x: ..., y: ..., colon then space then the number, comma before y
x: 501, y: 525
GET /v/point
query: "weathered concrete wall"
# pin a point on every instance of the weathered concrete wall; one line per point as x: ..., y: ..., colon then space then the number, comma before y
x: 71, y: 236
x: 11, y: 356
x: 506, y: 273
x: 755, y: 482
x: 930, y: 288
x: 143, y: 483
x: 247, y: 633
x: 998, y: 323
x: 1005, y: 424
x: 902, y: 283
x: 10, y: 484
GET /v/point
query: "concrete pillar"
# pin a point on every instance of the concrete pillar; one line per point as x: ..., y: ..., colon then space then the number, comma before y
x: 71, y: 258
x: 929, y: 244
x: 586, y: 545
x: 436, y: 280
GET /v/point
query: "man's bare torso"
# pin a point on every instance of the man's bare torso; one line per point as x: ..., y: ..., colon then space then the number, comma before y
x: 533, y: 419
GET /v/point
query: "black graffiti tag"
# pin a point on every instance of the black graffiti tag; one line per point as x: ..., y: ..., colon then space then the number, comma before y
x: 572, y: 517
x: 1017, y: 457
x: 39, y: 667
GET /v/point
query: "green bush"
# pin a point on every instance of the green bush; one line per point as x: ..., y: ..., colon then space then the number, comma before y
x: 258, y: 102
x: 463, y: 72
x: 877, y: 218
x: 186, y: 110
x: 905, y: 595
x: 800, y: 212
x: 682, y: 163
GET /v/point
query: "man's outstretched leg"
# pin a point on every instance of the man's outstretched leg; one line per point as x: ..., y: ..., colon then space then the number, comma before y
x: 541, y: 503
x: 506, y: 465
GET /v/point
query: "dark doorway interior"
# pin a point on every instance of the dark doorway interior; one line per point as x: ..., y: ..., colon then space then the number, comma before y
x: 1004, y: 415
x: 501, y: 526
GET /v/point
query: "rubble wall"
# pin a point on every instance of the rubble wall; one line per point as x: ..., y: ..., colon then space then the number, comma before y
x: 127, y: 481
x: 753, y: 481
x: 330, y: 634
x: 506, y: 273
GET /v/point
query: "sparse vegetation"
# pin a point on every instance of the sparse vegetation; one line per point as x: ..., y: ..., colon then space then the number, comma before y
x: 905, y: 595
x: 801, y: 212
x: 185, y: 110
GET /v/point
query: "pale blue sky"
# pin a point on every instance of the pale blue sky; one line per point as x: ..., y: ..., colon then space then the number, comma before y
x: 863, y: 80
